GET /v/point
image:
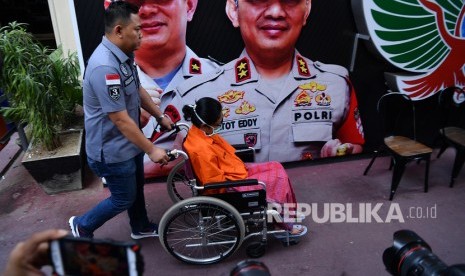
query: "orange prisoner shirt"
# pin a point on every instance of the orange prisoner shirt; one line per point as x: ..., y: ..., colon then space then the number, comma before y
x: 212, y: 158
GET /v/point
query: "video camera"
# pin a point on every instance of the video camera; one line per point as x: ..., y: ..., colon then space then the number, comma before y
x: 410, y: 255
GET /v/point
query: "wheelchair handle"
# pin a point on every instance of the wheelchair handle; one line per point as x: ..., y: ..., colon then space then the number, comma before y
x: 177, y: 127
x: 174, y: 154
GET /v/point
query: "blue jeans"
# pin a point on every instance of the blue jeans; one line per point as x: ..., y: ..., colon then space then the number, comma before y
x: 125, y: 181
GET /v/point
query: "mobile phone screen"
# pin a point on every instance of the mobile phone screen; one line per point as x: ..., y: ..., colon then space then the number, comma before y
x: 74, y: 256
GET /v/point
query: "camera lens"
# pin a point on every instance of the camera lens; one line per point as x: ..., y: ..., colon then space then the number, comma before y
x: 410, y: 255
x: 456, y: 270
x: 250, y: 268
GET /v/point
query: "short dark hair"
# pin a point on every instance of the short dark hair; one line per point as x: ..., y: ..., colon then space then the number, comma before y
x: 208, y: 109
x: 118, y: 12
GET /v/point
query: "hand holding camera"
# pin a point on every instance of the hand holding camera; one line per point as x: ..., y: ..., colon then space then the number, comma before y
x: 74, y: 256
x: 29, y: 256
x: 84, y: 256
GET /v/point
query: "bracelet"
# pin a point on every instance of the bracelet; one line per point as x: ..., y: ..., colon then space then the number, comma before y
x: 160, y: 118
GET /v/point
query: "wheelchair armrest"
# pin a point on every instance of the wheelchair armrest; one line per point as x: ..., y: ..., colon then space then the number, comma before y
x: 241, y: 146
x: 244, y: 152
x: 230, y: 184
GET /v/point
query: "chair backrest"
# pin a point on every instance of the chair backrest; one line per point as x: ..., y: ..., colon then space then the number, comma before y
x: 452, y: 107
x: 397, y: 115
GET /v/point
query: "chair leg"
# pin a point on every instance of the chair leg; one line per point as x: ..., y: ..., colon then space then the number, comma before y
x: 458, y: 164
x: 437, y: 137
x: 399, y: 167
x: 442, y: 149
x: 391, y: 163
x: 427, y: 173
x: 371, y: 162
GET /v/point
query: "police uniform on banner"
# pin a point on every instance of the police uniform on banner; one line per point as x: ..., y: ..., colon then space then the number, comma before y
x: 286, y: 121
x: 110, y: 84
x: 192, y: 65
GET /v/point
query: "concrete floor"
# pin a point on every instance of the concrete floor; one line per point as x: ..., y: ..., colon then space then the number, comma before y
x: 330, y: 248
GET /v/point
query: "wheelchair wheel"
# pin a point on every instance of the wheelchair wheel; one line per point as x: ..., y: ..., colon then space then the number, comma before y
x: 201, y: 230
x: 178, y: 183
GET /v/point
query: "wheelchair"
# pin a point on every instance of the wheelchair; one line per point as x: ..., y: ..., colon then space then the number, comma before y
x: 181, y: 180
x: 205, y: 229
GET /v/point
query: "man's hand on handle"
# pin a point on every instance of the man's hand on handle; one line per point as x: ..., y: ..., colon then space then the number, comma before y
x: 166, y: 123
x: 158, y: 155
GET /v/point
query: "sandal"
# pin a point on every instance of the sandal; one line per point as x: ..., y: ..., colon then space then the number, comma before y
x: 296, y: 227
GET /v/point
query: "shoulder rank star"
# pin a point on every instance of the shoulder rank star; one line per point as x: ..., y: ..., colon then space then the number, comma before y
x: 242, y: 68
x: 195, y: 67
x: 302, y: 67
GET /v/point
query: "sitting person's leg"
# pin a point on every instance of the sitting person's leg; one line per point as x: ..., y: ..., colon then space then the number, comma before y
x: 278, y: 185
x: 278, y: 189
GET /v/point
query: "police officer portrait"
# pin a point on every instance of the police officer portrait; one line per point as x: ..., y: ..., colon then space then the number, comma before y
x: 285, y: 105
x: 285, y: 88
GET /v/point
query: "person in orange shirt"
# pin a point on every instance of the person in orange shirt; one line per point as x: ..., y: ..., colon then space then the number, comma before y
x: 213, y: 159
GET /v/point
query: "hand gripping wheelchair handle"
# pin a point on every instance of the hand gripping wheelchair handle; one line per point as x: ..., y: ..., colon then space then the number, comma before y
x: 175, y: 153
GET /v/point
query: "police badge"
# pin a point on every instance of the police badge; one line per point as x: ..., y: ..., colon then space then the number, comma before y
x: 124, y: 69
x: 250, y: 139
x: 114, y: 92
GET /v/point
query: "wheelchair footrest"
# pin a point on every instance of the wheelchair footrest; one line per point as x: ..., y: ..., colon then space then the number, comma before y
x: 291, y: 242
x: 289, y: 239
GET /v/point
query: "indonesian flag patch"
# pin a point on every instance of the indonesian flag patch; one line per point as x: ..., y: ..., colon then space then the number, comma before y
x: 112, y: 79
x: 113, y: 83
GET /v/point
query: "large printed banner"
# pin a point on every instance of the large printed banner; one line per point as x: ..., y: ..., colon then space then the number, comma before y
x: 424, y: 37
x: 310, y: 113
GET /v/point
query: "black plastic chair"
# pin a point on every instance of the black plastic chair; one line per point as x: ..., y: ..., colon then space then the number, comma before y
x: 397, y: 118
x: 452, y: 132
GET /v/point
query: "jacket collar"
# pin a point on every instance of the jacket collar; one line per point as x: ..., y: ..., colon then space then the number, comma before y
x: 191, y: 65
